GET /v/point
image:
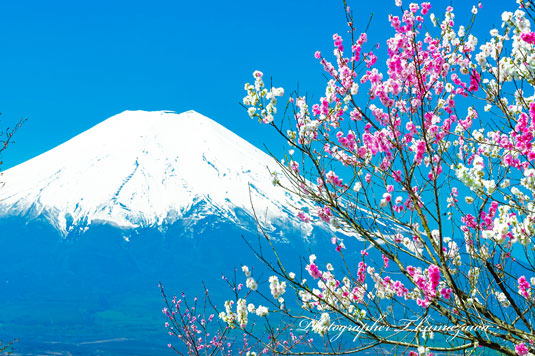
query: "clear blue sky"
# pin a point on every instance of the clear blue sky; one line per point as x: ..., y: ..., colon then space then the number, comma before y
x: 68, y: 65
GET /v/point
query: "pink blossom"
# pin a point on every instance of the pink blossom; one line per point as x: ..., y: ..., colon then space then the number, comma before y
x: 528, y: 37
x: 397, y: 175
x: 304, y: 217
x: 338, y: 42
x: 521, y: 349
x: 523, y: 287
x: 420, y: 150
x: 434, y: 275
x: 325, y: 214
x: 362, y: 272
x: 395, y: 22
x: 474, y: 81
x: 294, y: 166
x: 385, y: 260
x: 313, y: 271
x: 446, y: 293
x: 424, y: 303
x: 333, y: 179
x: 426, y: 6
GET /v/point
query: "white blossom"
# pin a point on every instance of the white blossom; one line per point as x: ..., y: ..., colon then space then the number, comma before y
x: 262, y: 311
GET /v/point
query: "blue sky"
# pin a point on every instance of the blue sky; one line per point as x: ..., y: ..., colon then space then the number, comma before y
x: 68, y: 65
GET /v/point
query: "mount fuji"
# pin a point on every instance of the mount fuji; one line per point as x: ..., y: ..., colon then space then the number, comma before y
x: 143, y: 169
x: 89, y: 228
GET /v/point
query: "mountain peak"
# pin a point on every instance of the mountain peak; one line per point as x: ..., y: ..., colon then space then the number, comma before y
x: 143, y: 169
x: 133, y: 120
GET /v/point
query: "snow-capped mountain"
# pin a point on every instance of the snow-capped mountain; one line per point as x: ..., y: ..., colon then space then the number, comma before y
x: 135, y: 188
x: 143, y: 169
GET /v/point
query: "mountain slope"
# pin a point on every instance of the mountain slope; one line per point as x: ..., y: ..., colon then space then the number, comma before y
x: 143, y: 169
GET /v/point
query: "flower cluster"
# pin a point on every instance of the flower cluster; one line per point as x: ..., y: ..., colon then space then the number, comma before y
x: 257, y: 94
x: 410, y: 140
x: 277, y: 288
x: 191, y: 326
x: 239, y: 318
x: 250, y: 282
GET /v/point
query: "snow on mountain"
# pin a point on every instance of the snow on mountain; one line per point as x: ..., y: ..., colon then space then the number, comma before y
x: 147, y: 169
